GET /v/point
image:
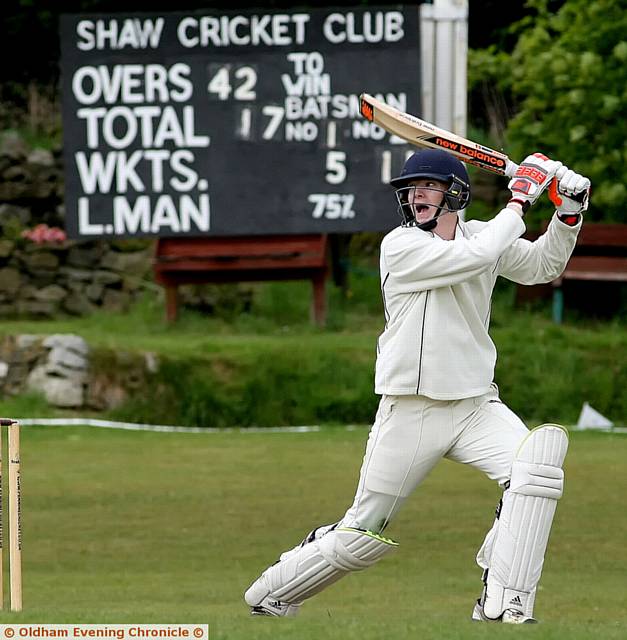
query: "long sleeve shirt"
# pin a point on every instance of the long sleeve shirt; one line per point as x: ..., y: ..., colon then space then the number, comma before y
x: 437, y: 296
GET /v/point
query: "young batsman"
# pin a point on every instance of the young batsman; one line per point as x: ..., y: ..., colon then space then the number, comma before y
x: 434, y: 372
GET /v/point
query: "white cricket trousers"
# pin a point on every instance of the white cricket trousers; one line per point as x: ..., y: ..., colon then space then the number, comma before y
x: 412, y: 433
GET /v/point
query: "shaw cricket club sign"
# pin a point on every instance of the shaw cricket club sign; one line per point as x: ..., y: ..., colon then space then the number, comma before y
x: 233, y: 123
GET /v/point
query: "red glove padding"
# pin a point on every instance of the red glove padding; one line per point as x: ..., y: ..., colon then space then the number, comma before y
x: 532, y: 177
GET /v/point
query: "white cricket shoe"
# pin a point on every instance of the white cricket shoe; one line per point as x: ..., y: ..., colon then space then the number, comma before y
x: 274, y: 608
x: 509, y: 616
x: 261, y: 603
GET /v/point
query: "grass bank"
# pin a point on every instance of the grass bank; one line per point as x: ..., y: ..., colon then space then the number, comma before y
x: 271, y: 367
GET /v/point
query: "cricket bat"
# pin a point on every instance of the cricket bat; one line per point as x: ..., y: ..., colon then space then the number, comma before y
x: 424, y: 134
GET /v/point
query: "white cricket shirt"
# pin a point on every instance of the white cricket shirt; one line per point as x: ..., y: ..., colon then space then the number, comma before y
x: 436, y: 296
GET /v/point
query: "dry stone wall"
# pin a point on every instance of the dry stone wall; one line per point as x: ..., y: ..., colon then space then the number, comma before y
x: 61, y: 368
x: 68, y: 277
x: 45, y: 278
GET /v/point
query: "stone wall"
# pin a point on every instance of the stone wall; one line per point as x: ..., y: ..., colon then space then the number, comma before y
x: 68, y: 374
x: 69, y: 277
x: 31, y: 177
x: 46, y: 278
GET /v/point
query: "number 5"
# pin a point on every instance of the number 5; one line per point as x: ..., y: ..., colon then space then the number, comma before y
x: 336, y: 168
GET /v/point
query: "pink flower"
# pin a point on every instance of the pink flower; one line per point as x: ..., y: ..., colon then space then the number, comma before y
x: 42, y: 234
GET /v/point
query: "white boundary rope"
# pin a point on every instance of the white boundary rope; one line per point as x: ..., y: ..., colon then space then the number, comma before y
x: 161, y: 428
x: 164, y: 428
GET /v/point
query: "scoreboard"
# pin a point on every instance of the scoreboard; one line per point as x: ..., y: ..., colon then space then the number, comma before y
x: 233, y: 123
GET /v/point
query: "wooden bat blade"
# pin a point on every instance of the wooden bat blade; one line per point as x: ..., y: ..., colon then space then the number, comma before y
x: 424, y: 134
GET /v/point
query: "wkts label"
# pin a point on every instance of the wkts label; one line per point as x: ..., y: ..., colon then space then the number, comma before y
x: 233, y: 123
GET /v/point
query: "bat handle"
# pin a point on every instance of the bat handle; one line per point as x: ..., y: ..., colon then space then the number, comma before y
x: 510, y: 168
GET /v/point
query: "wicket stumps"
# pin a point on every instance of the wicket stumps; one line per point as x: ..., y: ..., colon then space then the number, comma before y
x: 15, y: 516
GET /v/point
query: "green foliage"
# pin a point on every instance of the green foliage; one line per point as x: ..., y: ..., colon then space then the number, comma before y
x: 546, y: 376
x: 490, y: 63
x: 271, y: 367
x: 12, y: 230
x: 26, y: 404
x: 568, y: 72
x: 284, y: 382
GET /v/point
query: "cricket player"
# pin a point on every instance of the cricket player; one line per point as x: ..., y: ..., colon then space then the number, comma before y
x: 434, y: 372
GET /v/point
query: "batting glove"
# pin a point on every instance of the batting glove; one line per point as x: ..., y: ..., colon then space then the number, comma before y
x: 570, y: 193
x: 532, y: 177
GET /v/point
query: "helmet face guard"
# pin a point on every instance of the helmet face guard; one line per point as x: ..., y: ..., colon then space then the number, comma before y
x: 437, y: 165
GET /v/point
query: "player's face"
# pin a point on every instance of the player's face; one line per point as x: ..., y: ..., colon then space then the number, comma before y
x: 425, y: 196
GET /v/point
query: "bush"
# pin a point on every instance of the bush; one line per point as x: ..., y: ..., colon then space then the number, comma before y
x: 271, y: 368
x: 545, y: 372
x: 568, y: 74
x: 275, y: 385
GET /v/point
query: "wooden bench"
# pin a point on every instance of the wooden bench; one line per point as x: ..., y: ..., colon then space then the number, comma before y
x: 185, y: 260
x: 599, y: 256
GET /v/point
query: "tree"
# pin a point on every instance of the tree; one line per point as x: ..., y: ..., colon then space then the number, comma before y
x: 568, y: 76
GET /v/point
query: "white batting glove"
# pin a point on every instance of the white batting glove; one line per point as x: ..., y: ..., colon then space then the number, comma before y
x: 570, y: 192
x: 532, y: 177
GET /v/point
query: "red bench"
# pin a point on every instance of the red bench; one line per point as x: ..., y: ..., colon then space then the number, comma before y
x: 185, y: 260
x: 599, y: 256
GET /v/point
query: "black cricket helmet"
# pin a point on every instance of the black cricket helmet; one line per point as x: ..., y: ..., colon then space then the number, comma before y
x: 438, y: 165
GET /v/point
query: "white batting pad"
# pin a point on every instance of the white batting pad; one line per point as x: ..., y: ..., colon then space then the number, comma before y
x: 308, y: 569
x: 522, y: 531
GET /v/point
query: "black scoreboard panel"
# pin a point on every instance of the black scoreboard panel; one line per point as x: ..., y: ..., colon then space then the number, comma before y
x: 233, y: 123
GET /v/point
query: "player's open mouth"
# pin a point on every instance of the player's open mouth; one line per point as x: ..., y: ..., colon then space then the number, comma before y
x: 421, y: 208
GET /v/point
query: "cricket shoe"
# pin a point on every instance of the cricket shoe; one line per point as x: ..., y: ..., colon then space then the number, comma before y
x: 269, y: 606
x: 509, y: 616
x: 261, y: 603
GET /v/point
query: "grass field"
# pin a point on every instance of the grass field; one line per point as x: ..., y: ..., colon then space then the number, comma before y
x: 126, y: 527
